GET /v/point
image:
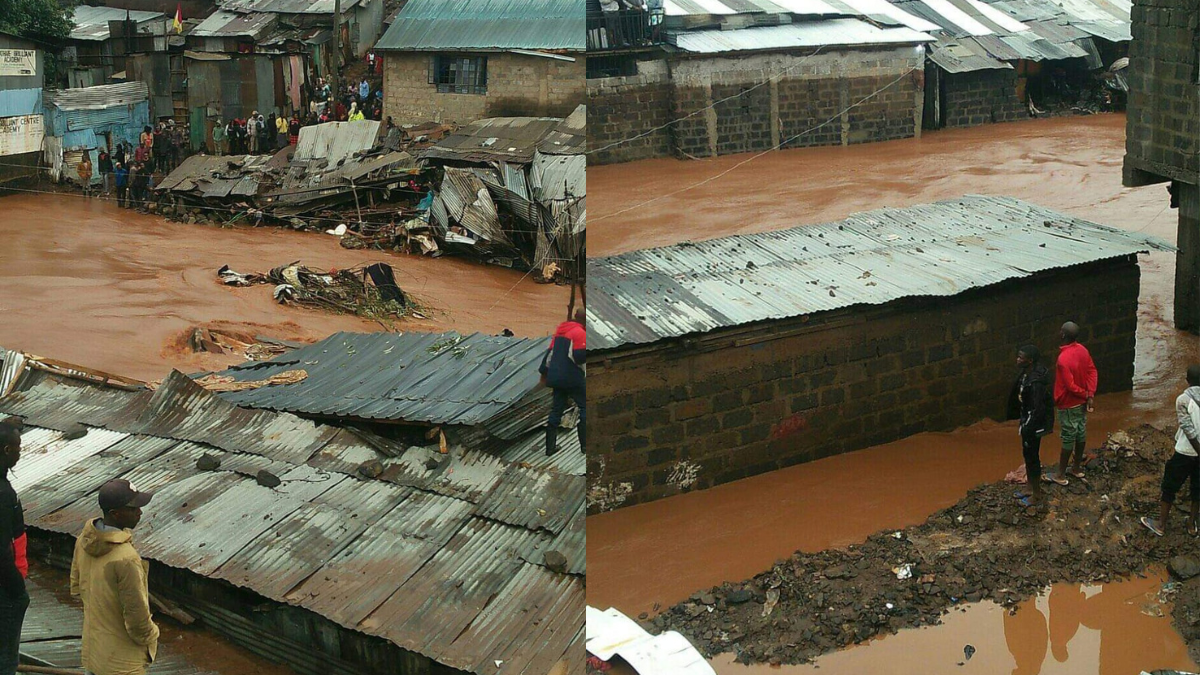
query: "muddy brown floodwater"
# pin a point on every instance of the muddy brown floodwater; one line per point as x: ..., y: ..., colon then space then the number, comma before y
x: 115, y: 290
x: 651, y: 556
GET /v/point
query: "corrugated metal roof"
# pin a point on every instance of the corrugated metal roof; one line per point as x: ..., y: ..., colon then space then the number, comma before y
x: 286, y: 6
x: 828, y: 32
x: 1106, y: 19
x: 99, y: 97
x: 874, y: 8
x: 336, y: 141
x: 569, y: 137
x: 91, y: 23
x: 222, y: 23
x: 496, y: 139
x: 437, y: 565
x: 726, y: 7
x: 434, y: 25
x: 871, y: 258
x: 414, y: 377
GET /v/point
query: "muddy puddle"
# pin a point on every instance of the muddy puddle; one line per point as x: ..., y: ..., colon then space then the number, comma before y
x: 1121, y: 628
x: 645, y: 558
x: 119, y: 291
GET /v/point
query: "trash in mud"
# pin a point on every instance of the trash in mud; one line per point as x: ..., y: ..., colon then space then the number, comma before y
x: 903, y: 572
x: 369, y: 291
x: 968, y: 652
x: 228, y: 383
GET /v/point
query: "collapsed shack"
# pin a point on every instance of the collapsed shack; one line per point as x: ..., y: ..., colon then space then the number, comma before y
x: 330, y: 550
x: 338, y: 173
x: 988, y: 546
x: 513, y: 192
x: 369, y: 291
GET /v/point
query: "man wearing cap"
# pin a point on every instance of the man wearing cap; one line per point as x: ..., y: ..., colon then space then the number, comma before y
x: 119, y: 635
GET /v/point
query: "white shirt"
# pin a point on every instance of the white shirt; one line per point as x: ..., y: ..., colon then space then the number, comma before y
x: 1186, y: 405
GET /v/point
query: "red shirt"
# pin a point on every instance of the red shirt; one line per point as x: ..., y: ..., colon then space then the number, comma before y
x: 1075, y: 376
x: 574, y: 332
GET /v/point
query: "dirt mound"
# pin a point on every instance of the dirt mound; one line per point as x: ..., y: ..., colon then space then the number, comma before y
x: 986, y: 546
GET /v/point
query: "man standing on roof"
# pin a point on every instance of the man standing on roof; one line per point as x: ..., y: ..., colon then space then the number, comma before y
x: 563, y: 369
x: 1075, y: 381
x: 119, y: 635
x: 14, y: 567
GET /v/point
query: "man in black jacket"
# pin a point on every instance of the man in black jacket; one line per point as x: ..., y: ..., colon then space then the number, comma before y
x: 14, y: 567
x: 1033, y: 391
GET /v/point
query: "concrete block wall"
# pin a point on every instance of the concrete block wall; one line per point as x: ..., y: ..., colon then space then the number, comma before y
x: 667, y: 421
x: 1163, y: 120
x: 982, y: 97
x: 723, y: 104
x: 620, y: 108
x: 518, y: 86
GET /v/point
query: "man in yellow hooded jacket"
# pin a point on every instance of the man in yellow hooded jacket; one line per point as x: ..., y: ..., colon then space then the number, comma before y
x: 119, y: 635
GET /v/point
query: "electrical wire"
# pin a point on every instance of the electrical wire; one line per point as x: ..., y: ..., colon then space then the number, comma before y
x: 770, y: 79
x: 760, y: 154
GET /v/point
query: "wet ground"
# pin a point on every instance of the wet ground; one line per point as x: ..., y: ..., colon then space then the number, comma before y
x: 647, y: 557
x: 118, y: 291
x: 1107, y: 629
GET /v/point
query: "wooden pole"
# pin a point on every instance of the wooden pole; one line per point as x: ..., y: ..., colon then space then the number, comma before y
x: 571, y: 306
x: 337, y: 53
x: 48, y: 671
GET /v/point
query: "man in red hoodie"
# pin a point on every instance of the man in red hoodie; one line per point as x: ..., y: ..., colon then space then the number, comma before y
x: 563, y: 369
x: 14, y: 566
x: 1075, y: 382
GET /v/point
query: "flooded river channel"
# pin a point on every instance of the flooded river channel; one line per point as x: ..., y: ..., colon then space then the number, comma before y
x: 651, y: 556
x: 119, y: 291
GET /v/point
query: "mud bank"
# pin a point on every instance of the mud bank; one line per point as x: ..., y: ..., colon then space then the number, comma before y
x: 115, y: 290
x: 985, y: 547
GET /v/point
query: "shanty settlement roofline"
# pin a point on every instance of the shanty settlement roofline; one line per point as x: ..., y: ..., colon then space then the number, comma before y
x: 449, y: 556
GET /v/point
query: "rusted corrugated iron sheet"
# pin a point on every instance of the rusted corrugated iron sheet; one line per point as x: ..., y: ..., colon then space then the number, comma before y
x: 496, y: 139
x: 369, y: 554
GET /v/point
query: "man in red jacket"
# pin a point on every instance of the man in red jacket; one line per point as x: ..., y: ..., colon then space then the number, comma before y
x: 563, y: 369
x: 1075, y: 382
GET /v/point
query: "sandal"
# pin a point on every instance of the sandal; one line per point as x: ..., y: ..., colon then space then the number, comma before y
x: 1055, y: 479
x: 1077, y: 474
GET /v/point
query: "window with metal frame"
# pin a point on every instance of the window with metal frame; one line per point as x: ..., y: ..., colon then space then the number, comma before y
x: 458, y: 73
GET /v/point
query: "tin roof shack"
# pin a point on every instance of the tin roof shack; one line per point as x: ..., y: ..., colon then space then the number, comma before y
x: 749, y: 76
x: 104, y: 37
x: 717, y: 360
x: 91, y: 118
x: 988, y: 66
x: 22, y: 125
x: 514, y: 192
x: 1162, y: 136
x: 308, y: 544
x: 465, y: 60
x: 239, y: 61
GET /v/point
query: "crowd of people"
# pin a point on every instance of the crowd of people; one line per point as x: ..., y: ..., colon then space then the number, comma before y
x: 128, y: 172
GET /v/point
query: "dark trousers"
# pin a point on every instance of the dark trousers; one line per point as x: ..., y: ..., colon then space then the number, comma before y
x: 122, y: 190
x: 1031, y: 446
x: 12, y: 615
x: 559, y: 405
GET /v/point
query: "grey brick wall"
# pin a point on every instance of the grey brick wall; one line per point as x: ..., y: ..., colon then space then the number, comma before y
x: 1162, y: 138
x: 982, y: 97
x: 725, y: 104
x: 841, y: 381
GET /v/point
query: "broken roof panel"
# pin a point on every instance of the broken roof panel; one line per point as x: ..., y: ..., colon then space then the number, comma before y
x: 222, y: 23
x: 336, y: 141
x: 91, y: 23
x: 496, y: 139
x: 100, y: 97
x: 829, y: 32
x: 569, y: 137
x: 939, y: 249
x: 437, y: 25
